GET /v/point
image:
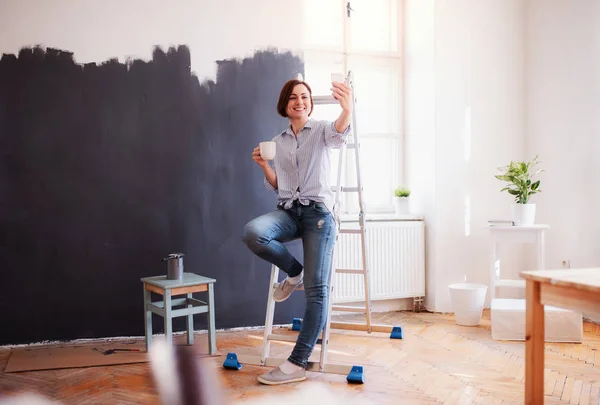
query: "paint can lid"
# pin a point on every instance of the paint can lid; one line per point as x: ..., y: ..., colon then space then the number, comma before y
x: 173, y: 256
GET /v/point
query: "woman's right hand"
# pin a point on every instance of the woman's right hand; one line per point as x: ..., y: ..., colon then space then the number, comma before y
x: 257, y: 158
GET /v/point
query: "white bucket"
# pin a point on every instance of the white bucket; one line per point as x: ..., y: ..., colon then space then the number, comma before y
x: 467, y: 302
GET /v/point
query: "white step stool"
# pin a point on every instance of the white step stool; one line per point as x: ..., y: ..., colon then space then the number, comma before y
x: 508, y: 322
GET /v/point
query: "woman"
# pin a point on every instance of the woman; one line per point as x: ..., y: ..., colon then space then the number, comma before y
x: 300, y: 177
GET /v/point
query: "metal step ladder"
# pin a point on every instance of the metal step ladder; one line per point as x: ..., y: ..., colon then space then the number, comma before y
x: 355, y: 373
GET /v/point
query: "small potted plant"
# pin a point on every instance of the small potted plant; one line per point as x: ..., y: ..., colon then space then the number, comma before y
x: 401, y: 200
x: 519, y: 176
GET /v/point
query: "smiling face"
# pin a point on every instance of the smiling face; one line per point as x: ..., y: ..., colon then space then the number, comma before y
x: 295, y: 100
x: 299, y: 103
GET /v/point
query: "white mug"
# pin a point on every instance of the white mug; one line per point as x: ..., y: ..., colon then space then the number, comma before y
x: 338, y: 77
x: 267, y: 150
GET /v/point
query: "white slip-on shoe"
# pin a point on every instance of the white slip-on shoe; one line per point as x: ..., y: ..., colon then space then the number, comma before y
x: 285, y: 289
x: 276, y: 377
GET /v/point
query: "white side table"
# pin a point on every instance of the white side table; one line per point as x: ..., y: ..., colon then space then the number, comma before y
x: 534, y: 234
x: 508, y: 315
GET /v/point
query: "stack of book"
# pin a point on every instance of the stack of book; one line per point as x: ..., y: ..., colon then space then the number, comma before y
x: 499, y: 222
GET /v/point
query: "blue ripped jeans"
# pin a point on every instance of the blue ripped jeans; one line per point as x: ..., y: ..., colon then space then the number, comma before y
x: 265, y: 236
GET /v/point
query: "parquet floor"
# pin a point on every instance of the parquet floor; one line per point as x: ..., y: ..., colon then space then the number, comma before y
x: 437, y: 362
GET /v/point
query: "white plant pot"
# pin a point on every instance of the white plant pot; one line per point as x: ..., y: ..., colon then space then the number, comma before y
x: 402, y: 205
x: 523, y: 214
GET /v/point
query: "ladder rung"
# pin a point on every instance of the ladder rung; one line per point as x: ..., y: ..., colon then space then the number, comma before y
x: 346, y: 189
x: 282, y: 338
x: 348, y: 308
x: 355, y: 231
x: 324, y: 100
x: 360, y: 326
x: 350, y: 271
x: 350, y: 189
x: 342, y: 369
x: 350, y: 145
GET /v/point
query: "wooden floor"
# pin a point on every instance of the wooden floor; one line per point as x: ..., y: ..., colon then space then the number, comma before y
x: 436, y: 362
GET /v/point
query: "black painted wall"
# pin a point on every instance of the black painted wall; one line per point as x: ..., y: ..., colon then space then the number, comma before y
x: 107, y: 168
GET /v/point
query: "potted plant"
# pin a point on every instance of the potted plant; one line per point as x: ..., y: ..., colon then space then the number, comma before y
x: 401, y: 200
x: 519, y: 176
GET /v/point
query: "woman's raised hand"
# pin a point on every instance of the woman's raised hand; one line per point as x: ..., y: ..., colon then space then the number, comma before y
x: 343, y: 93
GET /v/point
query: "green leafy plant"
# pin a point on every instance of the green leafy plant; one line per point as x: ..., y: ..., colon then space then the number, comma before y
x: 402, y: 191
x: 519, y: 175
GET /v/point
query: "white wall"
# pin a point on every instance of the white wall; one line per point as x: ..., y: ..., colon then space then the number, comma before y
x: 419, y: 124
x: 464, y: 80
x: 563, y: 124
x: 530, y: 73
x: 99, y: 30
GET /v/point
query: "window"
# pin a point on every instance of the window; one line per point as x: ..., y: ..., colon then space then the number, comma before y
x: 368, y: 43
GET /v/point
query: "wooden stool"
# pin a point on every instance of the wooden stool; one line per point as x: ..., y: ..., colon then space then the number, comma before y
x: 189, y: 284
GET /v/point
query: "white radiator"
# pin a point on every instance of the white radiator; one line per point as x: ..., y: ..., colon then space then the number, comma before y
x: 395, y: 259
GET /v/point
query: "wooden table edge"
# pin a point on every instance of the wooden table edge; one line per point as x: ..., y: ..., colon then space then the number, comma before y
x: 177, y: 290
x: 533, y: 275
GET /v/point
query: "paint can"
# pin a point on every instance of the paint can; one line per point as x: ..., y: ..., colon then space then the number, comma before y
x: 174, y: 266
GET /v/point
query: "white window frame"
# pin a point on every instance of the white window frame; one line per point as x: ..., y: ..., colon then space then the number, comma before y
x: 327, y: 54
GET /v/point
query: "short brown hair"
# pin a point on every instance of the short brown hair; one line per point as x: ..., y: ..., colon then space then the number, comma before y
x: 285, y: 94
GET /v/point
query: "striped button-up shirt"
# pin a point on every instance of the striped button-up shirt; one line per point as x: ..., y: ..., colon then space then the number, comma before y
x: 302, y: 164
